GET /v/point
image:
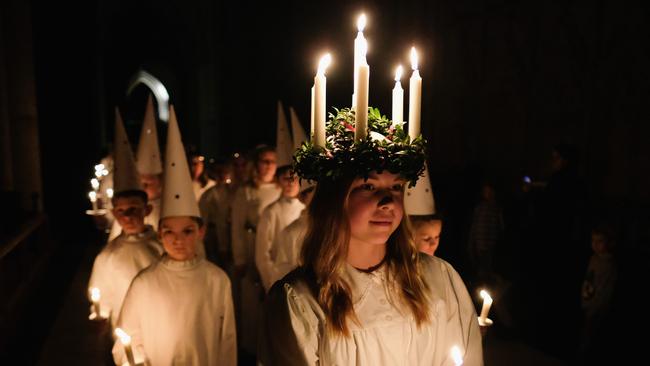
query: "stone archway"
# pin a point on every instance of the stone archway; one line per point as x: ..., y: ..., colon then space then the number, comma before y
x: 157, y: 88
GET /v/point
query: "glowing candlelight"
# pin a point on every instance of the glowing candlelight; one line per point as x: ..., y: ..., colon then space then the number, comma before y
x: 93, y: 198
x: 109, y: 193
x: 456, y: 355
x: 125, y: 339
x: 398, y: 97
x: 361, y: 95
x: 360, y: 47
x: 415, y: 97
x: 487, y: 302
x: 94, y: 183
x: 320, y: 82
x: 95, y: 296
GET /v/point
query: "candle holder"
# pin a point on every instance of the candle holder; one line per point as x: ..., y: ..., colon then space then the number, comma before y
x: 484, y: 325
x: 97, y: 212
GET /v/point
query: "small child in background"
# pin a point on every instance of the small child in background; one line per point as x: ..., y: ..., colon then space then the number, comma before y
x: 598, y: 287
x: 426, y: 230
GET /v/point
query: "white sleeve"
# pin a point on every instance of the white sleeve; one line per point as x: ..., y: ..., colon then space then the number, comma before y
x: 263, y: 242
x: 101, y: 279
x: 129, y: 321
x: 238, y: 230
x: 283, y: 246
x: 289, y: 334
x: 227, y: 353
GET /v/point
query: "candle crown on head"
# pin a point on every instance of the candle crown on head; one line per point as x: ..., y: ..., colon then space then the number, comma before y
x: 387, y: 147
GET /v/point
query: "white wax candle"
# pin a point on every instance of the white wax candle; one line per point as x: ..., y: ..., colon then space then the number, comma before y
x: 93, y: 198
x: 487, y: 302
x: 361, y: 96
x: 125, y: 339
x: 95, y: 296
x: 311, y: 127
x: 320, y: 82
x: 456, y: 355
x: 415, y: 97
x: 398, y: 97
x: 359, y: 53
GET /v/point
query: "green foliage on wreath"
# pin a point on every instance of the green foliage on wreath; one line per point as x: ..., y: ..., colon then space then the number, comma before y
x: 386, y: 147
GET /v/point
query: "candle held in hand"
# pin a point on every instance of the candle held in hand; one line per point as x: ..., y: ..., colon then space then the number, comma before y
x: 125, y: 339
x: 487, y: 302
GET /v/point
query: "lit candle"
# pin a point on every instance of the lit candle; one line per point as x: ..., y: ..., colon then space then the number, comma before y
x: 126, y: 342
x: 320, y: 82
x: 109, y: 193
x: 311, y: 126
x: 95, y: 184
x: 415, y: 97
x: 487, y: 302
x: 398, y: 97
x: 93, y: 198
x: 361, y: 96
x: 456, y: 356
x: 95, y: 295
x: 360, y: 48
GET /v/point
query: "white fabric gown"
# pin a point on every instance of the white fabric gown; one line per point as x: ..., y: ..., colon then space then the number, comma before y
x: 274, y: 219
x: 287, y: 246
x: 216, y: 206
x: 180, y: 313
x: 118, y: 263
x: 294, y: 324
x: 247, y: 206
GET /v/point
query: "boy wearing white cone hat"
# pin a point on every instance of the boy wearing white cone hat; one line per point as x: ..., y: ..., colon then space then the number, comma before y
x: 149, y: 167
x: 281, y: 212
x: 419, y: 205
x: 179, y: 310
x: 137, y: 246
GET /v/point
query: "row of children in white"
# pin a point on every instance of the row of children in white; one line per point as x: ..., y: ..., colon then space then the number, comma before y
x: 361, y: 92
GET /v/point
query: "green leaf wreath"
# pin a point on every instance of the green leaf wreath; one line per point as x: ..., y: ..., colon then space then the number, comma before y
x: 386, y: 147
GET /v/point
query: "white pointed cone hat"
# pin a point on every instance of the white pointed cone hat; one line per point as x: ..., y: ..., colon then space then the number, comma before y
x: 299, y: 135
x: 178, y: 195
x: 419, y: 199
x: 148, y: 156
x: 283, y: 143
x: 125, y: 174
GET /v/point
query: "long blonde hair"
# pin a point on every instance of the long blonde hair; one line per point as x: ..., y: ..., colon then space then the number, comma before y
x: 324, y: 254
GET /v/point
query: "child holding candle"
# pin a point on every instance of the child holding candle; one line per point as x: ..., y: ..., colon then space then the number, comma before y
x: 363, y: 295
x: 137, y: 245
x: 179, y: 311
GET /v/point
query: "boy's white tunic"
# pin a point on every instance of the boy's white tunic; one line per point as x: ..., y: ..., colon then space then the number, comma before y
x: 287, y: 246
x: 294, y: 324
x: 118, y: 263
x: 180, y: 313
x: 215, y: 205
x: 274, y: 219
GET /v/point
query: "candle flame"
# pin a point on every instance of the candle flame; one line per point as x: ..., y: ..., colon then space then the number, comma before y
x: 361, y: 22
x: 124, y: 338
x: 398, y: 73
x: 109, y: 192
x: 324, y: 63
x: 456, y: 355
x: 98, y: 173
x: 104, y: 172
x: 414, y: 59
x: 99, y: 167
x: 94, y: 183
x: 92, y: 195
x: 485, y: 296
x: 95, y: 294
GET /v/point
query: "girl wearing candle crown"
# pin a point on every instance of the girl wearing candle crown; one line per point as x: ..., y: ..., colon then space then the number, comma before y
x: 179, y: 311
x: 363, y: 294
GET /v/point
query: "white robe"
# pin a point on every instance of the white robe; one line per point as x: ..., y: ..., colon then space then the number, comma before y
x: 294, y: 324
x: 180, y: 313
x: 287, y: 246
x: 151, y: 219
x: 216, y: 205
x: 274, y: 219
x: 118, y: 263
x: 247, y: 206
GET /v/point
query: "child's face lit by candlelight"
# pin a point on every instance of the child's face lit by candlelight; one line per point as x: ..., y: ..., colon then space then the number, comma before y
x: 180, y: 236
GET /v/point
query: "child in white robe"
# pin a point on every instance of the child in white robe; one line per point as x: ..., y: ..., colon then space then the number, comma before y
x: 179, y: 311
x: 274, y: 219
